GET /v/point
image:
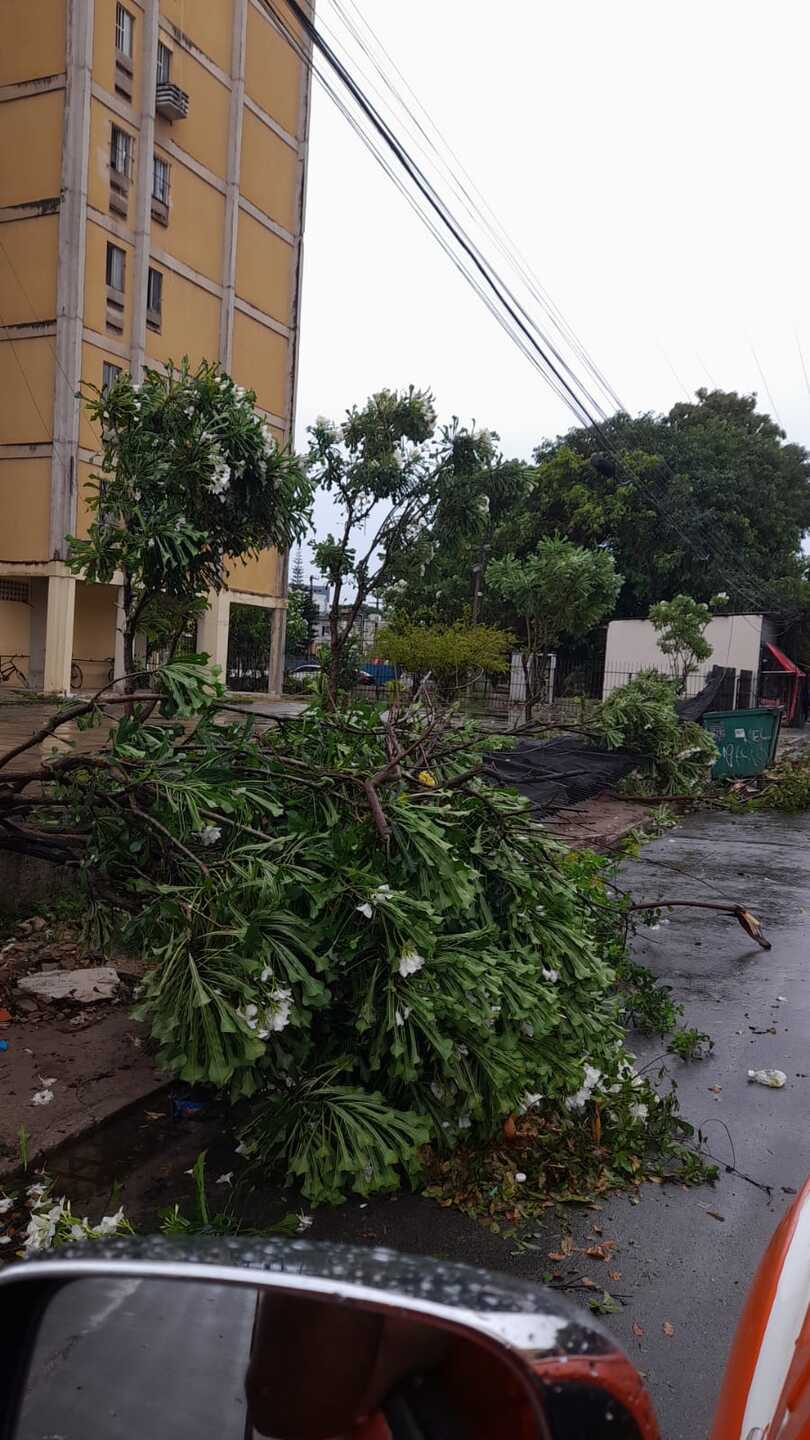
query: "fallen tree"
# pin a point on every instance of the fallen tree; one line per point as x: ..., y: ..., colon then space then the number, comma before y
x: 346, y: 924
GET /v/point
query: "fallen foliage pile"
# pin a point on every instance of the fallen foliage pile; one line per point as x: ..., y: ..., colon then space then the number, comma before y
x: 347, y: 925
x: 641, y: 716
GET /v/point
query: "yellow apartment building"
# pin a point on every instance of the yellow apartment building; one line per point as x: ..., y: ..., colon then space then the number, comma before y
x: 151, y: 206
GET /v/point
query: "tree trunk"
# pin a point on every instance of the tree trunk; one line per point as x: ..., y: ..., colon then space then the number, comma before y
x: 528, y: 700
x: 130, y: 618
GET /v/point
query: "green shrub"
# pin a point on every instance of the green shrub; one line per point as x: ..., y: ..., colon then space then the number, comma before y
x: 641, y: 716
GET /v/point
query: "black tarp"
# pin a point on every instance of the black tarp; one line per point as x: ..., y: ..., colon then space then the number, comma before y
x: 554, y: 773
x: 717, y: 694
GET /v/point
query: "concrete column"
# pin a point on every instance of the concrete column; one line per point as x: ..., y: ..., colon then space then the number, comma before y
x: 212, y: 630
x: 36, y: 643
x: 237, y: 106
x: 143, y: 196
x: 278, y: 642
x: 59, y: 634
x: 70, y: 274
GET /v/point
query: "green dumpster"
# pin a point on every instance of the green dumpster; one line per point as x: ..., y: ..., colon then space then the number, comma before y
x: 746, y: 740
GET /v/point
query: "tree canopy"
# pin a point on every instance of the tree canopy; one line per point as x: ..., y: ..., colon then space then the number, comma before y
x: 706, y: 498
x: 191, y: 477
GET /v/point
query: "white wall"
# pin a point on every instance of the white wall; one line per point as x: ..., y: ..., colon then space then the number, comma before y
x: 632, y: 645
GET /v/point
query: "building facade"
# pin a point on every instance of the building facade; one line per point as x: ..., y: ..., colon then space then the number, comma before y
x: 151, y: 207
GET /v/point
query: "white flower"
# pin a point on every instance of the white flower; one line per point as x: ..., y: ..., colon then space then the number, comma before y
x: 409, y: 962
x: 464, y: 1122
x: 580, y: 1098
x: 365, y: 909
x: 221, y: 478
x: 383, y: 892
x: 77, y: 1232
x: 304, y: 1222
x: 42, y: 1228
x: 520, y: 1176
x: 36, y: 1193
x: 6, y: 1204
x: 250, y: 1015
x: 244, y: 1149
x: 225, y: 1179
x: 280, y: 1007
x: 402, y: 1014
x: 550, y: 975
x: 42, y: 1097
x: 639, y: 1112
x: 529, y: 1100
x: 47, y: 1080
x: 721, y: 595
x: 109, y: 1224
x: 210, y: 835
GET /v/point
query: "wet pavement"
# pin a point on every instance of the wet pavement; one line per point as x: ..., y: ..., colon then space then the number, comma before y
x: 678, y: 1263
x: 20, y: 721
x: 681, y: 1266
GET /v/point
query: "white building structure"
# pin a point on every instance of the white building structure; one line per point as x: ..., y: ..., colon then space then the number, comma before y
x: 736, y: 642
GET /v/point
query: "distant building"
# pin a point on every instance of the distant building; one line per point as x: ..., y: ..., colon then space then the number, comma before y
x: 151, y: 203
x: 366, y: 625
x: 736, y: 640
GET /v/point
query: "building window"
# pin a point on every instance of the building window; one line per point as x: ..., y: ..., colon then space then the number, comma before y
x: 164, y: 64
x: 154, y: 299
x: 122, y: 149
x: 17, y: 590
x: 109, y: 375
x: 124, y: 28
x: 116, y: 261
x: 160, y: 181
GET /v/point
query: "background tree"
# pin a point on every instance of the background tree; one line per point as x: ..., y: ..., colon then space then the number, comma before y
x: 303, y: 605
x: 680, y: 626
x: 443, y: 578
x: 451, y: 654
x: 562, y: 589
x: 191, y: 477
x: 717, y: 467
x: 386, y: 460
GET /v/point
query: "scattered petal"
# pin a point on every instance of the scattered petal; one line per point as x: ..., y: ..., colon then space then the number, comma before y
x: 668, y: 1328
x: 225, y: 1179
x: 638, y: 1330
x: 42, y: 1097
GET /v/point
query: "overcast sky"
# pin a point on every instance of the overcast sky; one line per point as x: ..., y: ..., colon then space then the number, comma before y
x: 650, y: 159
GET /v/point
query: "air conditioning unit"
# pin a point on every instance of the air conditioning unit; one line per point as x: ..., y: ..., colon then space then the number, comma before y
x: 170, y: 101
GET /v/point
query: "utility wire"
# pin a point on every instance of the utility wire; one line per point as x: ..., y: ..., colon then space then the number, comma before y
x: 472, y: 199
x: 496, y: 292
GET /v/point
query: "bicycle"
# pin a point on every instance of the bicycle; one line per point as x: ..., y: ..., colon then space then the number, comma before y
x: 77, y: 674
x: 8, y: 670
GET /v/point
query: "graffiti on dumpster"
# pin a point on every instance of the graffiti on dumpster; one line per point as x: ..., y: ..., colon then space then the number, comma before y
x: 749, y: 750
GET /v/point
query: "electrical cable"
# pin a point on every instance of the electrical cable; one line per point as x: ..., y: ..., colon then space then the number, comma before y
x: 496, y: 293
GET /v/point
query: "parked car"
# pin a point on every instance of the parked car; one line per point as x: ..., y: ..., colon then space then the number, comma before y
x: 311, y: 667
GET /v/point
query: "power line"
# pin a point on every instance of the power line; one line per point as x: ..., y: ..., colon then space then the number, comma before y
x: 488, y: 285
x: 475, y: 204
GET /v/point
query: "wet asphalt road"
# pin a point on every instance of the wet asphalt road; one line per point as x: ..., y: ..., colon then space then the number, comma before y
x: 677, y: 1262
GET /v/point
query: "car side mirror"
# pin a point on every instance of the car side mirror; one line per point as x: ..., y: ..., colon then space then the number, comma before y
x: 298, y: 1341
